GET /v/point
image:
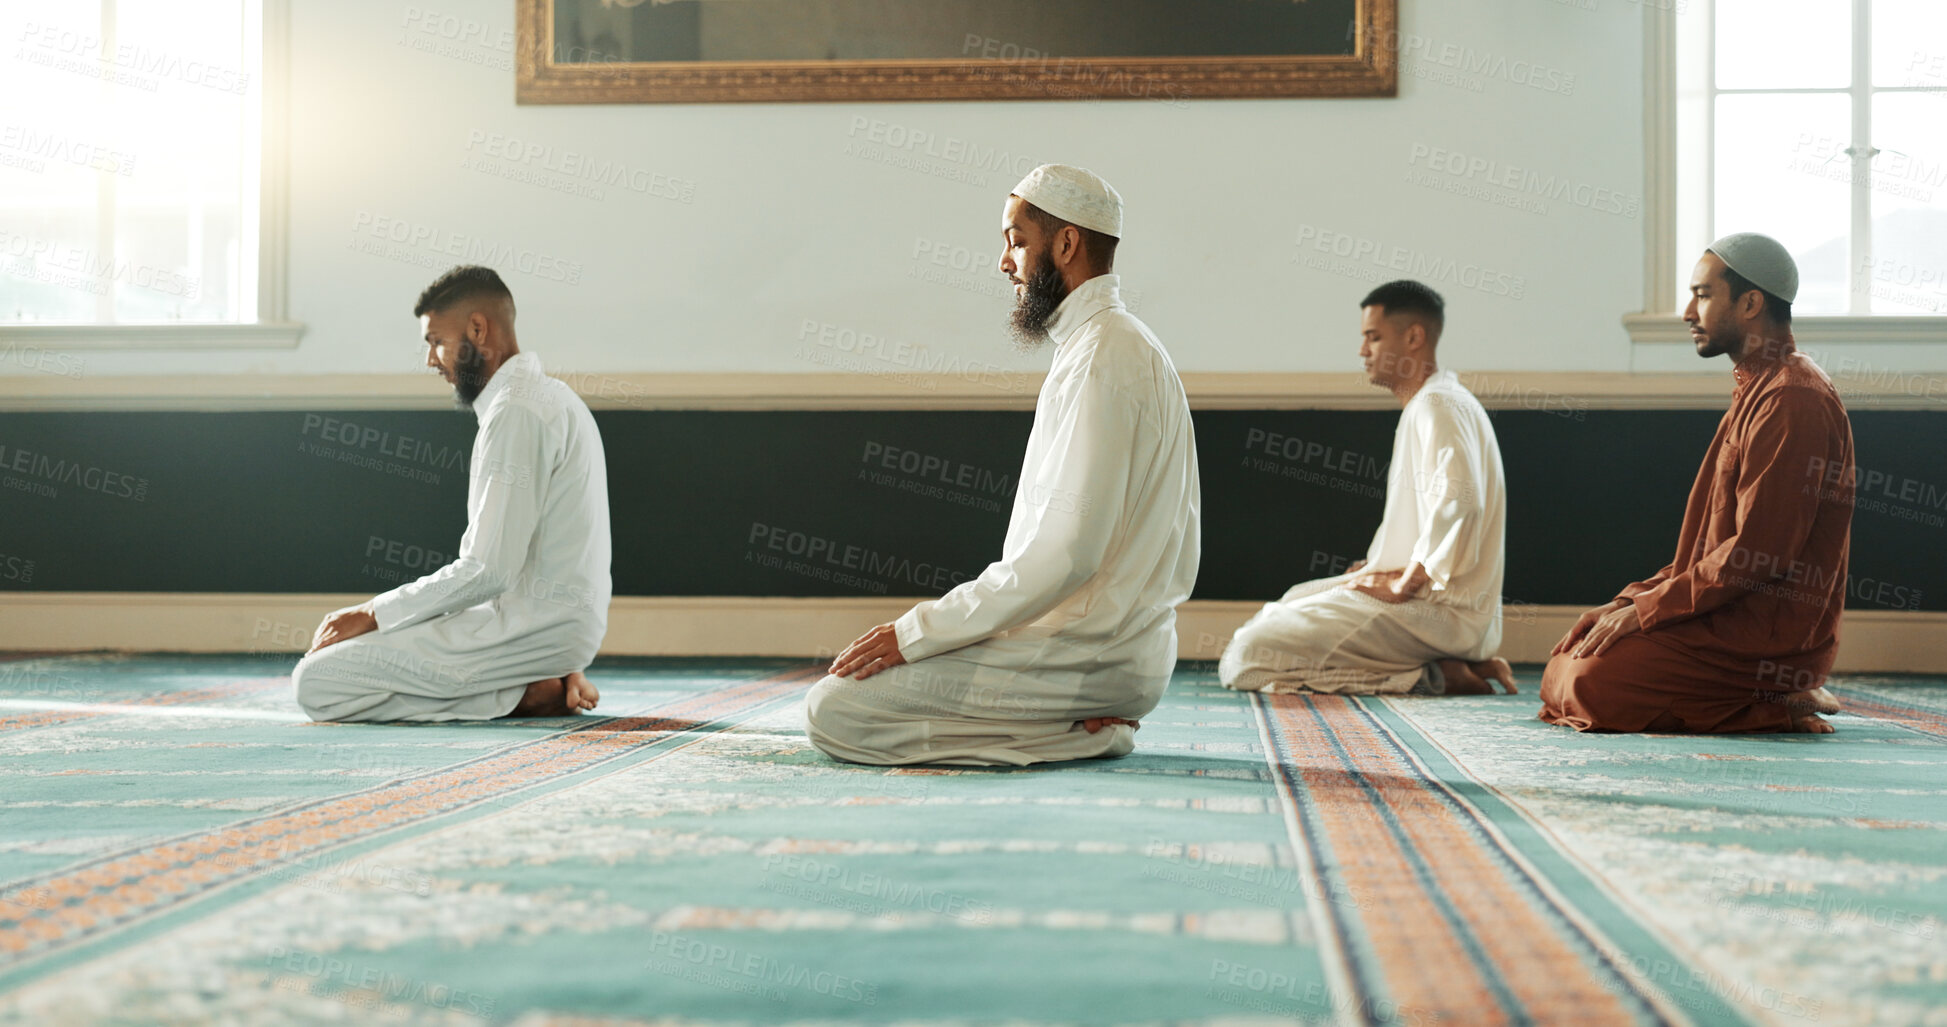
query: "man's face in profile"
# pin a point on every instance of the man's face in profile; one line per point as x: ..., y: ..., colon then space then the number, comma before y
x: 1027, y: 262
x: 1389, y: 347
x: 452, y: 350
x: 1712, y: 312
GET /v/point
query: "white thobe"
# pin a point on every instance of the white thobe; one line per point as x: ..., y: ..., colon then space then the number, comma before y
x: 526, y: 599
x: 1077, y: 619
x: 1446, y: 510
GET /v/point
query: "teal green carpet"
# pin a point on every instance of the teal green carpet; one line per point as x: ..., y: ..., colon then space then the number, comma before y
x: 178, y: 845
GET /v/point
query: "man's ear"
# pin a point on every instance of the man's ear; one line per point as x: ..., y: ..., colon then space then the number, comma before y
x: 1068, y: 245
x: 478, y: 320
x: 1749, y: 304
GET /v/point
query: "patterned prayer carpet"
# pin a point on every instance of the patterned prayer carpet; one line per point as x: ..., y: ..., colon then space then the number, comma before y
x: 177, y: 845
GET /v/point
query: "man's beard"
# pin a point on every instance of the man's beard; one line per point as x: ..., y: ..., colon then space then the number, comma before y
x: 1716, y: 343
x: 469, y: 375
x: 1042, y: 292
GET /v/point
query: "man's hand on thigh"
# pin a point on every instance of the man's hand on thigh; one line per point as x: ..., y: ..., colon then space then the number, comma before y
x: 1584, y: 623
x: 875, y: 651
x: 350, y: 622
x: 1615, y: 624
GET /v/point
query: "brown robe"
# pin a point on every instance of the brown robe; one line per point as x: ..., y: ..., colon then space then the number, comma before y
x: 1748, y: 612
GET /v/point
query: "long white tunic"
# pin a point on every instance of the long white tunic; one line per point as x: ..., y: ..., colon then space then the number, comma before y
x: 1077, y: 618
x: 1446, y: 510
x: 526, y: 599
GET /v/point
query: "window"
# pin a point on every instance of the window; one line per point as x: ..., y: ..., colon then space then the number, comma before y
x: 134, y: 175
x: 1822, y: 123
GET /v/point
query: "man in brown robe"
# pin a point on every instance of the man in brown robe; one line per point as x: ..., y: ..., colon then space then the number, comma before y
x: 1738, y: 633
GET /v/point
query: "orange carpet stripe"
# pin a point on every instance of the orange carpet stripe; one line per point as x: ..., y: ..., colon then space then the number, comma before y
x: 1918, y: 719
x: 70, y: 906
x: 1547, y: 976
x: 1397, y: 915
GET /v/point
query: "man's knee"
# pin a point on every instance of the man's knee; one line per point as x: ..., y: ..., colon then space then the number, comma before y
x: 1246, y: 638
x: 1568, y: 676
x: 322, y: 684
x: 1257, y: 652
x: 833, y: 712
x: 841, y: 720
x: 1122, y: 744
x: 1556, y: 678
x: 1246, y: 649
x: 1594, y: 693
x: 818, y: 703
x: 307, y: 682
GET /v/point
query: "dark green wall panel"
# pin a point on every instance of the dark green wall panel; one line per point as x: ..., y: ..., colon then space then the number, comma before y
x: 883, y: 503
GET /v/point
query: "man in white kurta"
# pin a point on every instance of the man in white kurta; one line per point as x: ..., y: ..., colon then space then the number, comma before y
x: 526, y: 601
x: 1422, y: 612
x: 1060, y: 646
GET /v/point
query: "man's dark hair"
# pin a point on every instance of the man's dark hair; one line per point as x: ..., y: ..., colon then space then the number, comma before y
x: 1779, y: 311
x: 1099, y: 246
x: 466, y: 282
x: 1413, y: 299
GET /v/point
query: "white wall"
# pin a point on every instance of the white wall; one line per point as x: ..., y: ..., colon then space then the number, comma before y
x: 785, y: 226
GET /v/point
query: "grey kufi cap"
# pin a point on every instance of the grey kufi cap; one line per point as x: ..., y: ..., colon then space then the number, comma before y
x: 1763, y: 260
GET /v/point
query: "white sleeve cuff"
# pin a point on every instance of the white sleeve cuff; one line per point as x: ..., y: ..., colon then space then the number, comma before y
x: 385, y: 610
x: 907, y: 631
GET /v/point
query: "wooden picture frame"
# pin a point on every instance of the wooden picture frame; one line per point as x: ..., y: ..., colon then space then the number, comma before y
x: 1369, y: 70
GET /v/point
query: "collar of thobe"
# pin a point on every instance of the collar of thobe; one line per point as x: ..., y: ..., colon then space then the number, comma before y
x: 1079, y: 307
x: 517, y: 366
x: 1440, y: 377
x: 1763, y: 366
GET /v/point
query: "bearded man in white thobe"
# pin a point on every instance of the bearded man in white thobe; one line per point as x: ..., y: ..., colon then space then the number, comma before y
x: 1058, y: 649
x: 1422, y: 612
x: 509, y: 626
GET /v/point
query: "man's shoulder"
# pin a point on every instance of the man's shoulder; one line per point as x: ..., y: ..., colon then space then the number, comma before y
x: 1800, y: 391
x: 1119, y: 345
x: 1802, y: 380
x: 1126, y: 329
x: 1446, y: 398
x: 534, y: 397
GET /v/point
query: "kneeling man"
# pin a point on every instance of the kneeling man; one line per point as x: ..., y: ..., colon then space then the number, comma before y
x: 1056, y: 650
x: 508, y: 627
x: 1738, y: 633
x: 1422, y: 612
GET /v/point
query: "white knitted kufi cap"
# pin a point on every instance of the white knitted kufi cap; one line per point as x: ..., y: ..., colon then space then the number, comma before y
x: 1075, y: 195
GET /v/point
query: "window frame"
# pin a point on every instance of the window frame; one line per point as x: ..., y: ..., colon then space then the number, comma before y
x: 273, y: 327
x: 1659, y: 322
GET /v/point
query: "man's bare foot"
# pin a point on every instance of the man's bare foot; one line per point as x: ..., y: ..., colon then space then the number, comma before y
x: 1465, y: 678
x: 1804, y: 709
x: 1807, y: 704
x: 580, y: 693
x: 1811, y: 724
x: 544, y: 698
x: 1820, y: 700
x: 1095, y: 724
x: 558, y: 697
x: 1496, y: 669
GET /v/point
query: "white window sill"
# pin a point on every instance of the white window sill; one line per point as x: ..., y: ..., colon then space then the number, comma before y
x: 1661, y: 329
x: 276, y: 335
